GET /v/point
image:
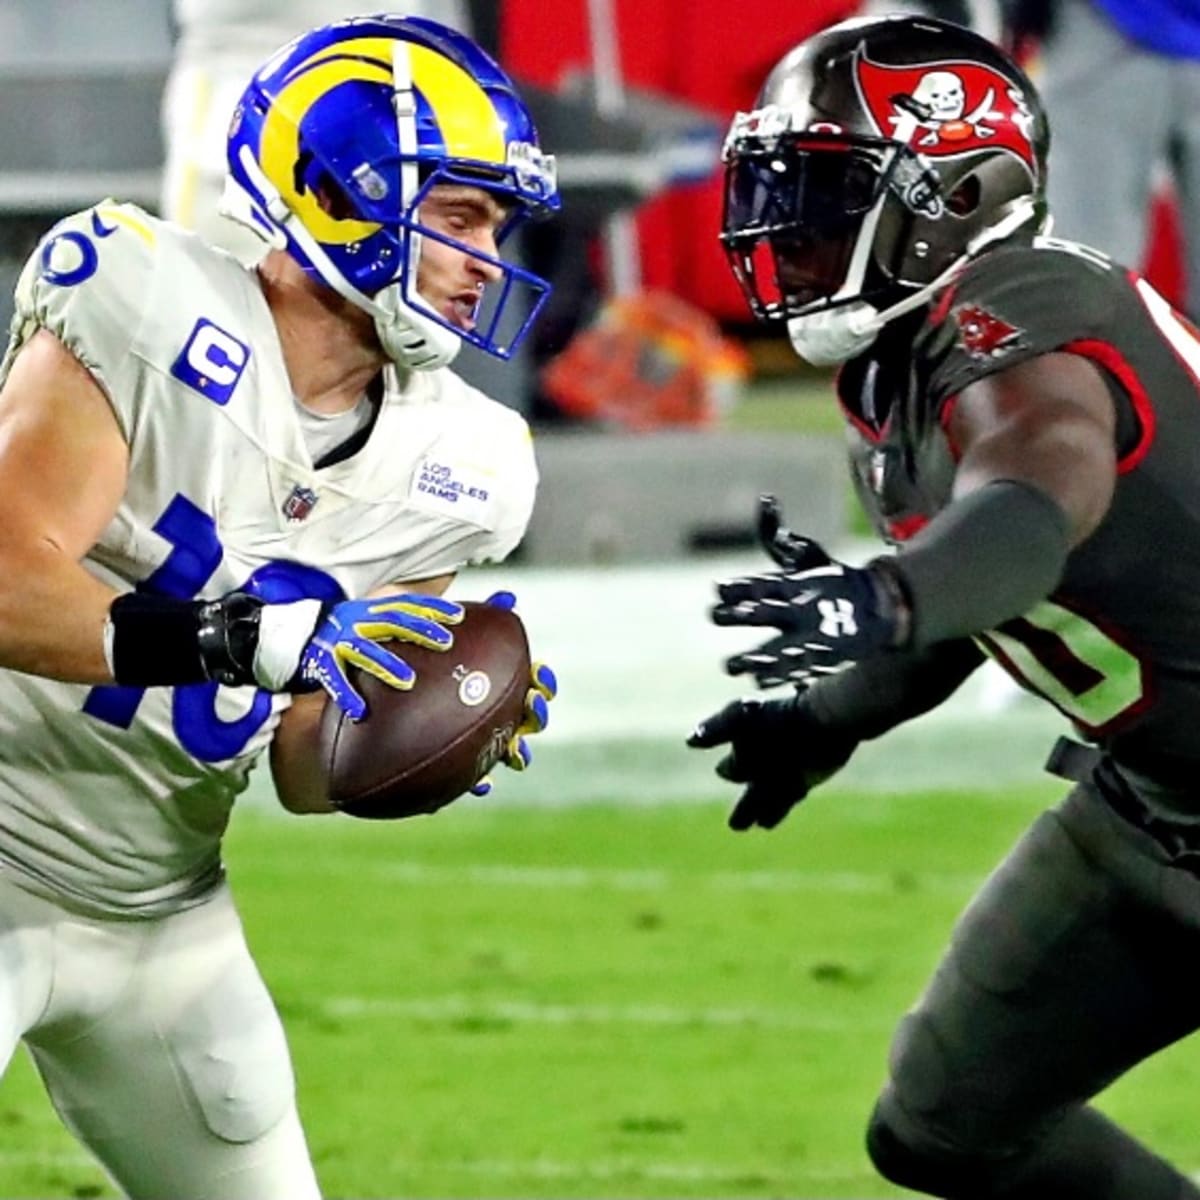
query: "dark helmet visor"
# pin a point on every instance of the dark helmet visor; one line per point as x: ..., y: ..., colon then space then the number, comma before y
x: 792, y: 219
x: 793, y: 214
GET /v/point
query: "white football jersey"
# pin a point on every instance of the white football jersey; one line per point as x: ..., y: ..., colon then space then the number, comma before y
x: 115, y: 799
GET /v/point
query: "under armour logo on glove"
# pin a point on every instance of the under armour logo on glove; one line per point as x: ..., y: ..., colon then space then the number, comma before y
x: 827, y: 617
x: 837, y: 618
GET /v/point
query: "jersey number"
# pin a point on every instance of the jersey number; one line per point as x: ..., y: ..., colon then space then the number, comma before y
x: 195, y: 554
x: 1080, y: 669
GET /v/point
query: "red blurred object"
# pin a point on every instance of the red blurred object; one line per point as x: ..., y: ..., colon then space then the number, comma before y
x: 713, y: 55
x: 1164, y: 265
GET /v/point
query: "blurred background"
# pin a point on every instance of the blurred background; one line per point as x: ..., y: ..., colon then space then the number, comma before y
x: 644, y: 373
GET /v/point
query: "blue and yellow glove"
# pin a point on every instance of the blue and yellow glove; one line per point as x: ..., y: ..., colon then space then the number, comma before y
x: 349, y: 635
x: 543, y: 686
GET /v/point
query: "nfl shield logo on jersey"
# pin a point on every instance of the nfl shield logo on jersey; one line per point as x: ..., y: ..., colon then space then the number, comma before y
x: 300, y: 503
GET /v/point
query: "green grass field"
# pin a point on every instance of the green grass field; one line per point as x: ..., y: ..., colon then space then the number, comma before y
x: 601, y: 999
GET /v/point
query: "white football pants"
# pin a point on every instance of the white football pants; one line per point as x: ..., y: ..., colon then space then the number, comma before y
x: 159, y: 1046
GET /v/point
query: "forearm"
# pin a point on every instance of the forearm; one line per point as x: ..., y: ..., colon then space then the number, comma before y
x: 297, y: 769
x: 59, y: 621
x: 983, y: 560
x: 879, y: 693
x: 52, y: 616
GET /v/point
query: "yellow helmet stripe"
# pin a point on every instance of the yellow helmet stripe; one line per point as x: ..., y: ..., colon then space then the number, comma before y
x: 466, y: 117
x: 361, y: 58
x: 377, y: 49
x: 468, y: 121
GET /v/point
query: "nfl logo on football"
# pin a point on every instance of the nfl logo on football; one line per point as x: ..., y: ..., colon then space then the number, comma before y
x: 300, y: 503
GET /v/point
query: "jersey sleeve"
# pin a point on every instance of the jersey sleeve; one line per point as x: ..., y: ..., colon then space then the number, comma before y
x: 1013, y: 305
x: 516, y: 475
x: 88, y: 282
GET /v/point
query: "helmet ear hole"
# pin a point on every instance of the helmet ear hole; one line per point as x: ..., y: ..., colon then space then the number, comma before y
x: 966, y: 197
x: 332, y: 198
x: 308, y: 176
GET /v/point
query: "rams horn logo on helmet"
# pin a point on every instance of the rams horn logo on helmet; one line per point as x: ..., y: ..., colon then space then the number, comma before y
x: 345, y: 130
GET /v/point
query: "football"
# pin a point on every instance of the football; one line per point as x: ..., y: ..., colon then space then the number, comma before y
x: 417, y: 750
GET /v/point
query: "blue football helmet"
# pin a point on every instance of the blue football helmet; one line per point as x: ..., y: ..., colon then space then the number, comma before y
x: 340, y: 136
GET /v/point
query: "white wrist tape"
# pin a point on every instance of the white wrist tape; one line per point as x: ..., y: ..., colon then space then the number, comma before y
x: 283, y: 632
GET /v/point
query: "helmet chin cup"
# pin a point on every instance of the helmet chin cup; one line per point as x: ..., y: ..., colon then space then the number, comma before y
x: 833, y: 336
x: 409, y: 338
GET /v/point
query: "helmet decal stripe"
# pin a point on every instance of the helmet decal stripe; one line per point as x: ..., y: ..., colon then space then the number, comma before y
x: 279, y: 149
x: 465, y: 115
x: 374, y: 50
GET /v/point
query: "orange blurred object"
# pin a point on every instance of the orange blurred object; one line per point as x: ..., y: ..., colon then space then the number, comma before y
x: 648, y: 360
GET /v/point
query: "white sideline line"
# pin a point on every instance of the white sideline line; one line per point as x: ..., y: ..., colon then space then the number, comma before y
x: 461, y: 1008
x: 548, y: 1168
x: 656, y: 880
x: 544, y: 1168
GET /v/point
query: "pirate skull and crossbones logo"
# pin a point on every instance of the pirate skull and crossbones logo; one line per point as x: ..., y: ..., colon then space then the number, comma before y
x: 939, y: 105
x: 947, y: 108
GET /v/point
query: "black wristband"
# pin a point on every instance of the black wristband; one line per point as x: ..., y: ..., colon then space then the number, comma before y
x: 159, y: 640
x: 981, y: 561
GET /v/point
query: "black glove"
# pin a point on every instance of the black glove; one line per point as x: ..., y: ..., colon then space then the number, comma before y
x: 828, y: 614
x: 778, y: 748
x: 792, y: 551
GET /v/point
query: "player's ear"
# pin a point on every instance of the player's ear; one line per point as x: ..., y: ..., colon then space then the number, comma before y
x: 333, y: 200
x: 965, y: 198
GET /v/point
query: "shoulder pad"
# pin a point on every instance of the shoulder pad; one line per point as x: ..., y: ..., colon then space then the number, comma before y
x: 89, y: 282
x: 1012, y: 305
